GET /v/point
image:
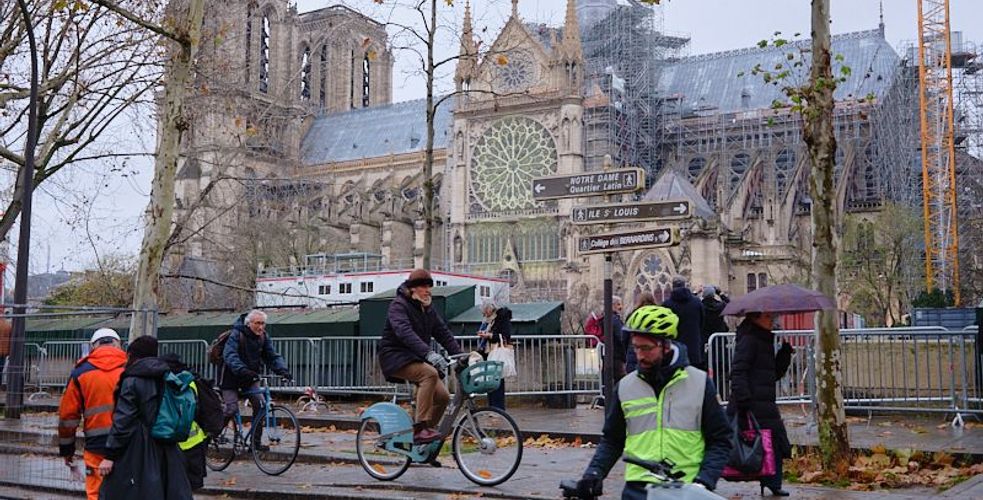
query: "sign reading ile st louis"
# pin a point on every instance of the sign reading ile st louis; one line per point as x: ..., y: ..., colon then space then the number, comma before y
x: 631, y: 212
x: 611, y: 242
x: 588, y: 184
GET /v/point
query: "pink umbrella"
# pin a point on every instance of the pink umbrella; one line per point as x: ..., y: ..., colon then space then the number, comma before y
x: 782, y: 299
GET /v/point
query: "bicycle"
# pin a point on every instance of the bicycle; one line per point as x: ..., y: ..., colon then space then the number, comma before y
x: 280, y: 432
x: 669, y: 486
x: 484, y: 439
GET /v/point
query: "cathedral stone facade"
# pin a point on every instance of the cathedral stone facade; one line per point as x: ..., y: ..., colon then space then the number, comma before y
x: 310, y: 151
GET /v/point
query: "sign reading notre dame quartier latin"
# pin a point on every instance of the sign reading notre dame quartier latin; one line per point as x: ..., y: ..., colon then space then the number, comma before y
x: 612, y: 242
x: 631, y: 212
x: 588, y: 184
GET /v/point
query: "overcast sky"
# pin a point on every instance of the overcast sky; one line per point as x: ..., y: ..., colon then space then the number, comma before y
x: 713, y: 25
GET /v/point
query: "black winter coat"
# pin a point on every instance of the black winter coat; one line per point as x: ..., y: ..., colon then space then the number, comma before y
x: 713, y: 317
x: 756, y: 367
x: 410, y: 328
x: 690, y: 312
x: 244, y: 352
x: 143, y: 468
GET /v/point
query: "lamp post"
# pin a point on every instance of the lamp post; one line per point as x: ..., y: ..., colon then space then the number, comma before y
x: 15, y: 387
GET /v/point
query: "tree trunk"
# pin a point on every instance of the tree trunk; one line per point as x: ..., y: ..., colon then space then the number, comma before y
x: 818, y: 135
x: 161, y: 209
x: 428, y: 187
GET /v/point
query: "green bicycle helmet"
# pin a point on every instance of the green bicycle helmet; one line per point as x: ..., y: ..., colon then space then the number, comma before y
x: 657, y: 321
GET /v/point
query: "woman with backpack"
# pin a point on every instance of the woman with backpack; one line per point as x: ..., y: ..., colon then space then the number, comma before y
x: 137, y: 465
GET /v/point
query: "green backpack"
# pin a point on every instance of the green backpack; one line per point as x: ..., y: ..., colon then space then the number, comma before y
x: 177, y: 408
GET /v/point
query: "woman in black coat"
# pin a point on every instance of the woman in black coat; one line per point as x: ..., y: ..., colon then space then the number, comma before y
x: 755, y: 371
x: 137, y: 465
x: 497, y: 332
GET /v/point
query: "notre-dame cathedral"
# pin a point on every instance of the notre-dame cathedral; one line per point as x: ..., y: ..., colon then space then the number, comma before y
x: 295, y: 148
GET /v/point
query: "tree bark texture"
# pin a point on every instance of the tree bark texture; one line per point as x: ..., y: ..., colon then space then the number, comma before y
x: 818, y: 133
x: 428, y: 187
x: 161, y: 209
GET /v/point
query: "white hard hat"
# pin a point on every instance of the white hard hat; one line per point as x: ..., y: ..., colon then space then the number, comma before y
x: 103, y: 333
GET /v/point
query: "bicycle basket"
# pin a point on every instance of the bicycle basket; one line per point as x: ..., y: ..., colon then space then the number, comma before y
x: 482, y: 377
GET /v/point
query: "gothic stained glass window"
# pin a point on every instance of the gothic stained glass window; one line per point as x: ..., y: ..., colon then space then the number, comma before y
x: 506, y: 158
x: 323, y: 84
x: 709, y: 191
x: 264, y: 55
x: 366, y: 67
x: 653, y: 275
x: 305, y: 74
x: 518, y: 72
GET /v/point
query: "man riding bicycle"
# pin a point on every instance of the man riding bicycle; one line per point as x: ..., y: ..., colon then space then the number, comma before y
x: 665, y: 409
x: 247, y: 349
x: 405, y: 352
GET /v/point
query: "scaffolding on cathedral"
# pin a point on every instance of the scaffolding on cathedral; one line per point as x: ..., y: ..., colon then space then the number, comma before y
x: 623, y: 53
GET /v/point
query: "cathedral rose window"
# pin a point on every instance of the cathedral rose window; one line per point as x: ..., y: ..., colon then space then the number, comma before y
x: 517, y: 74
x: 506, y: 158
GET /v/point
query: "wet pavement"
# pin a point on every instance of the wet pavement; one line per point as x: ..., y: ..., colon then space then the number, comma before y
x: 327, y: 466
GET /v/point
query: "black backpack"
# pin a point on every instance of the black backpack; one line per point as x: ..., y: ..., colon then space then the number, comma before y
x: 209, y: 410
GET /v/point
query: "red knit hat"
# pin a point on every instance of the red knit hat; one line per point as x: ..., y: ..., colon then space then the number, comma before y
x: 419, y: 277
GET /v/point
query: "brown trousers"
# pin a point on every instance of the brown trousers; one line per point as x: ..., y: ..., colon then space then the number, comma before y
x: 431, y: 395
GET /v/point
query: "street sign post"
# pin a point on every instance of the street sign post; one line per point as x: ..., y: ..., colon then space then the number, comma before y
x: 625, y: 180
x: 635, y: 240
x: 631, y: 212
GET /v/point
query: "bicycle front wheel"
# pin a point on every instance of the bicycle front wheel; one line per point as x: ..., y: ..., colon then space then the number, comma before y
x: 282, y: 436
x: 379, y: 462
x: 221, y: 450
x: 487, y: 446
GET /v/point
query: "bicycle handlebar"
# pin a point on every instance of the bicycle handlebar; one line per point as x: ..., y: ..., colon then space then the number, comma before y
x: 662, y: 469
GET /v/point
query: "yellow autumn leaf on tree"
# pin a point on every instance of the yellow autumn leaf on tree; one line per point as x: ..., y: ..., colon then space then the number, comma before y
x: 450, y: 3
x: 501, y: 60
x: 371, y: 55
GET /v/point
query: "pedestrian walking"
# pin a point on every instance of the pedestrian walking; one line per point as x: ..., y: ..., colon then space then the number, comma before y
x: 405, y: 353
x: 208, y: 420
x: 495, y: 333
x: 690, y: 311
x: 137, y: 466
x: 713, y: 322
x: 752, y: 386
x: 695, y: 435
x: 89, y: 399
x: 5, y: 329
x: 247, y: 350
x: 631, y: 361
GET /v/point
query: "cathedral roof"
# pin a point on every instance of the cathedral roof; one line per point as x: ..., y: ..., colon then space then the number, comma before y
x: 673, y: 186
x: 710, y: 82
x: 374, y: 131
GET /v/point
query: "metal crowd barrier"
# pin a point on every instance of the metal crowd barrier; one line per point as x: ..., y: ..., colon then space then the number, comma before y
x: 899, y: 369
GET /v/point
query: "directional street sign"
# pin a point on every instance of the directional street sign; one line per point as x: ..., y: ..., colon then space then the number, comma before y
x: 588, y: 184
x: 631, y: 212
x: 612, y: 242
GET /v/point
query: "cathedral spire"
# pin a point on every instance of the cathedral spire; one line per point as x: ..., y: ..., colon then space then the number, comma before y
x: 515, y: 8
x: 467, y: 62
x: 570, y: 48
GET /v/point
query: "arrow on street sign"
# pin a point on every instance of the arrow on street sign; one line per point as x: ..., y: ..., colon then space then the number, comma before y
x: 635, y: 240
x: 631, y: 212
x: 625, y: 180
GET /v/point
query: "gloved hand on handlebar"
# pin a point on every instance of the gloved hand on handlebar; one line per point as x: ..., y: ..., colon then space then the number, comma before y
x: 590, y: 485
x: 438, y: 362
x: 286, y: 375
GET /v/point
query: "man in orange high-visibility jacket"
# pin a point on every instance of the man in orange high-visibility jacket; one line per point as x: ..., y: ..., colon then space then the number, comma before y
x: 89, y: 396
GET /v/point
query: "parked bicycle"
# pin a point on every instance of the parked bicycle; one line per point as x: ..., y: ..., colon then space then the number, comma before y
x: 281, y: 434
x: 486, y: 442
x: 668, y: 487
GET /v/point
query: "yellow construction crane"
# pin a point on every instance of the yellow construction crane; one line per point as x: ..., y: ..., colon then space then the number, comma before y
x: 938, y: 146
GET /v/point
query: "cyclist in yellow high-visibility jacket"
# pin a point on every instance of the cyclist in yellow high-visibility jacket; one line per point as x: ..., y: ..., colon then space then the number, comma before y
x: 665, y: 409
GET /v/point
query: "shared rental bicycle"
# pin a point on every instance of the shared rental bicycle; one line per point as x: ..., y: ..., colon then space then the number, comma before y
x: 280, y: 441
x: 485, y: 442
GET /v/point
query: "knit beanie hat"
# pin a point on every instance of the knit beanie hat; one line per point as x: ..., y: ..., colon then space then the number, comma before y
x: 142, y: 347
x: 709, y: 291
x: 419, y: 277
